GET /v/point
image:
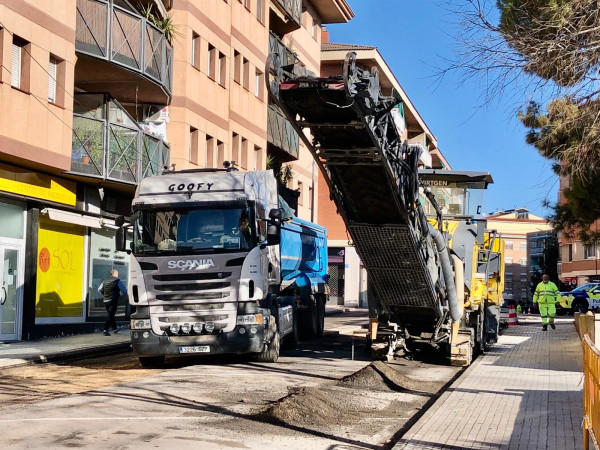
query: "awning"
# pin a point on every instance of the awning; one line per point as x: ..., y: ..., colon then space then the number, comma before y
x: 74, y: 218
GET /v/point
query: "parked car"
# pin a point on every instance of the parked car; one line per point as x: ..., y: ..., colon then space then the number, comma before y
x: 581, y: 299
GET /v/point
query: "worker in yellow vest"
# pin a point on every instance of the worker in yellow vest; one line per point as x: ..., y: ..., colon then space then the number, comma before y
x: 546, y: 296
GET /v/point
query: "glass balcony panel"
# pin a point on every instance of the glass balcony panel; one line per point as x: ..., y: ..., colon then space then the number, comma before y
x: 126, y: 38
x: 153, y: 52
x: 87, y: 146
x: 118, y: 115
x: 280, y: 132
x: 89, y: 105
x: 92, y: 27
x: 151, y: 156
x: 122, y: 153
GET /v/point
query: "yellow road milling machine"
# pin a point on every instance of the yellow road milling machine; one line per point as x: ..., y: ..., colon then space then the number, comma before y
x: 435, y: 273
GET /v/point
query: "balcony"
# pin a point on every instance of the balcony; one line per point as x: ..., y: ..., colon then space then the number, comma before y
x: 285, y: 16
x: 108, y: 143
x: 108, y: 35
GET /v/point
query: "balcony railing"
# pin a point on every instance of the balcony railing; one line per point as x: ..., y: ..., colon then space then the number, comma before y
x: 123, y: 37
x: 107, y: 143
x: 286, y: 54
x: 293, y: 8
x: 280, y: 132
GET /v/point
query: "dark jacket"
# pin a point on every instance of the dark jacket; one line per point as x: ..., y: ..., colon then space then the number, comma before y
x: 111, y: 289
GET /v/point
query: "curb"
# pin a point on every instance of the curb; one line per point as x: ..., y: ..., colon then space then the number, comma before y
x: 70, y: 355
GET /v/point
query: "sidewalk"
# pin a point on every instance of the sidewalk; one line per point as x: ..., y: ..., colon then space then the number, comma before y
x: 526, y: 393
x: 52, y: 349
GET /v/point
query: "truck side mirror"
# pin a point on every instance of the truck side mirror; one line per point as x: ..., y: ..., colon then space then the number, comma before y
x: 273, y: 233
x: 275, y: 214
x: 120, y: 239
x: 119, y: 221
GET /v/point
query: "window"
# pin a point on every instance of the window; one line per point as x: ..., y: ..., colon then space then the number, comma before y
x: 52, y: 66
x: 522, y: 214
x: 310, y: 198
x: 315, y: 29
x: 523, y: 294
x: 195, y: 50
x: 570, y: 253
x: 508, y: 245
x: 523, y: 276
x: 260, y: 10
x: 237, y: 67
x: 212, y: 62
x: 220, y: 154
x: 300, y: 191
x: 19, y: 65
x: 246, y: 80
x: 1, y: 47
x: 523, y: 246
x: 235, y: 149
x: 193, y: 151
x: 523, y: 262
x: 257, y: 158
x: 247, y: 4
x: 258, y: 84
x: 589, y: 251
x: 509, y: 276
x: 222, y: 69
x: 209, y: 161
x: 244, y: 158
x: 508, y: 260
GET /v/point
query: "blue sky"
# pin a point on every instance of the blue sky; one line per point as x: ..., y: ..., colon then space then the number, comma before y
x: 413, y: 36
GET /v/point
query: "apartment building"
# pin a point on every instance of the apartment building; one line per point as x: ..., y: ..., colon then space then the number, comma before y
x: 514, y: 227
x: 347, y: 277
x: 578, y: 260
x: 96, y: 95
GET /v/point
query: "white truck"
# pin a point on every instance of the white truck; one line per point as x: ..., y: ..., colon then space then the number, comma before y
x: 219, y: 265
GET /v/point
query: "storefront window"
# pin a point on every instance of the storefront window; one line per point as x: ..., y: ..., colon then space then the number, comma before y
x: 103, y: 258
x: 60, y: 271
x: 12, y: 221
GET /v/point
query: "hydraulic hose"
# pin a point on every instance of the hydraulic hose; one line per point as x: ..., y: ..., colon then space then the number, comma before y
x: 459, y: 272
x: 440, y: 242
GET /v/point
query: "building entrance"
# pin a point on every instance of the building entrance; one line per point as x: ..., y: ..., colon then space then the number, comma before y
x: 11, y: 291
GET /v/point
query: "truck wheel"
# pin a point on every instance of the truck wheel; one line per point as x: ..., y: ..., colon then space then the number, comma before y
x: 152, y: 362
x: 580, y: 307
x: 320, y: 316
x: 290, y: 341
x: 310, y: 319
x: 270, y: 352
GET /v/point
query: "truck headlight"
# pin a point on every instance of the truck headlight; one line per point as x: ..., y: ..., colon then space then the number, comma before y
x: 249, y: 319
x: 140, y: 324
x: 209, y: 327
x: 175, y: 328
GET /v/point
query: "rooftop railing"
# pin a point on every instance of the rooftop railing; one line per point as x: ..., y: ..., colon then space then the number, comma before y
x: 126, y: 38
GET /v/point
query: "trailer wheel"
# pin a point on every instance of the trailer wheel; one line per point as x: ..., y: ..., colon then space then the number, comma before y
x: 152, y: 362
x: 320, y: 316
x: 270, y: 353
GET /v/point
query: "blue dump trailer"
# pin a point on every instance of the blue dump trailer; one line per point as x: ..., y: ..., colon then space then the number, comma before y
x: 220, y: 265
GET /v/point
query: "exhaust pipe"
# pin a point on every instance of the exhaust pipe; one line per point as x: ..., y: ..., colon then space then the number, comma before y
x: 440, y: 242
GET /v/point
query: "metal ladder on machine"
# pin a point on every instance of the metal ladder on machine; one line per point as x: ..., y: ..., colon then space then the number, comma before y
x: 372, y: 176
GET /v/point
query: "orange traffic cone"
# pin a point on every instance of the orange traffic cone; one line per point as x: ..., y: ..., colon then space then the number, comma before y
x: 512, y: 315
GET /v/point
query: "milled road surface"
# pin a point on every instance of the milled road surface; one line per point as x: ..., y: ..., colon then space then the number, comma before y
x: 312, y: 397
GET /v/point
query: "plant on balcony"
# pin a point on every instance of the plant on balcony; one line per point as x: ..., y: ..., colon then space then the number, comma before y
x: 166, y: 24
x: 87, y: 143
x: 283, y: 172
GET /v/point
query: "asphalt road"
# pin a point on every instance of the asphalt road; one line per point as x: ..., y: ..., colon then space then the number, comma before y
x: 302, y: 401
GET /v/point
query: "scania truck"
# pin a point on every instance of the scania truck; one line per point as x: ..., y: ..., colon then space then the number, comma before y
x: 220, y: 264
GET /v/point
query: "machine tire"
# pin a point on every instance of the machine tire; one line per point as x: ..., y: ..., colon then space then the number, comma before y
x: 270, y: 353
x: 320, y: 316
x: 290, y: 341
x: 152, y: 362
x: 579, y: 306
x: 560, y: 311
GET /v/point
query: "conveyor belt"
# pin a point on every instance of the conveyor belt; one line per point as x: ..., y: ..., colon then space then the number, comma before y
x: 372, y: 176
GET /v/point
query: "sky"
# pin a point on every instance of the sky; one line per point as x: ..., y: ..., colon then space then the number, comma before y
x: 414, y: 36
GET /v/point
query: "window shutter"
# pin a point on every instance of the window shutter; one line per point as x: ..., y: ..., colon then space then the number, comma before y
x: 52, y: 80
x: 15, y: 68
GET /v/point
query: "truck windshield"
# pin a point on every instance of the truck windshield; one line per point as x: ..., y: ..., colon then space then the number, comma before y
x: 204, y: 230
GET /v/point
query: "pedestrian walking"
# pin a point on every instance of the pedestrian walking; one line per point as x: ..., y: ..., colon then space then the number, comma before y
x: 111, y: 289
x: 546, y: 296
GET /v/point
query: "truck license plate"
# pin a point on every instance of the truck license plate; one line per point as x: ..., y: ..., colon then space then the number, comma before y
x: 196, y: 349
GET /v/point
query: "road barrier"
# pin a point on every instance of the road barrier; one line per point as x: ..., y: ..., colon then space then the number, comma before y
x: 512, y: 316
x: 591, y: 393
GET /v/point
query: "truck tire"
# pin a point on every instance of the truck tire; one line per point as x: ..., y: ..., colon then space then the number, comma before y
x: 310, y: 319
x: 152, y: 362
x: 270, y: 353
x: 290, y: 341
x: 320, y: 316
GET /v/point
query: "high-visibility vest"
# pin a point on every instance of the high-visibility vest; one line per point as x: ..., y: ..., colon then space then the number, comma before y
x: 546, y: 293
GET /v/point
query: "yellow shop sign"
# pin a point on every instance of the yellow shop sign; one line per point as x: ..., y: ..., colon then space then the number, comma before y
x: 37, y: 185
